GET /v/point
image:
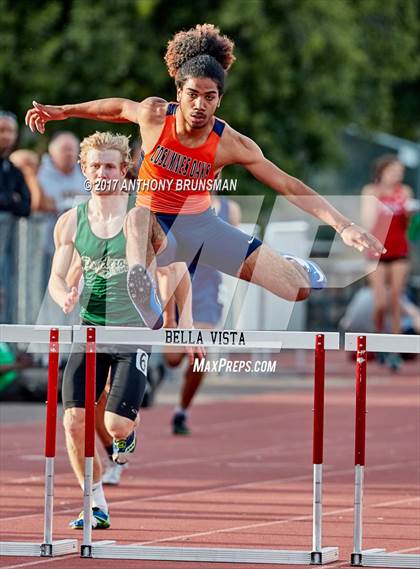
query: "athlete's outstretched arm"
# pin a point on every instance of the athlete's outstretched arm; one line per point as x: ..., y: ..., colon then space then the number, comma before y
x: 251, y: 157
x: 110, y: 110
x: 64, y: 232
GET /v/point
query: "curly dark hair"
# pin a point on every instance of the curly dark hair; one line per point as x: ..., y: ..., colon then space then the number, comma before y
x: 200, y: 52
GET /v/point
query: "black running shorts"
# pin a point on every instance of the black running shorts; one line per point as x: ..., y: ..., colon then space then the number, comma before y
x: 128, y: 379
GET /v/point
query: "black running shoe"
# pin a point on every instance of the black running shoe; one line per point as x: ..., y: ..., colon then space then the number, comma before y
x: 179, y: 424
x: 143, y: 294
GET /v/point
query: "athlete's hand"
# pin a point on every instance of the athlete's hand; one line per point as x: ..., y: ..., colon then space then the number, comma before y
x: 37, y: 117
x: 71, y: 300
x: 357, y: 237
x: 195, y: 352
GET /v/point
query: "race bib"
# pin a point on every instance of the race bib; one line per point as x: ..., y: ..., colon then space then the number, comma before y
x: 142, y: 359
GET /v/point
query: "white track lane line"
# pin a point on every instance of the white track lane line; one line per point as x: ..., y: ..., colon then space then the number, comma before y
x: 41, y: 561
x: 271, y: 523
x: 257, y: 484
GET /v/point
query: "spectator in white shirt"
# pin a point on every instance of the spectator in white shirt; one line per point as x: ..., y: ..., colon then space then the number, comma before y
x: 60, y: 175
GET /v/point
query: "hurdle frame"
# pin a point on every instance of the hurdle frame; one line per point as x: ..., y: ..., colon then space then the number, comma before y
x: 362, y: 344
x: 43, y: 335
x: 319, y: 555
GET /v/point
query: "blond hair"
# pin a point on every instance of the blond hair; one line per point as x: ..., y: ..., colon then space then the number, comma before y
x: 105, y: 141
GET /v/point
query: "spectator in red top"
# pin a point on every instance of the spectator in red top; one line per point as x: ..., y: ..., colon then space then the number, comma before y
x: 389, y: 213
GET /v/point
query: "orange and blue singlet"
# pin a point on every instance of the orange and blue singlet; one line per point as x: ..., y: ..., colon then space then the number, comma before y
x: 174, y: 182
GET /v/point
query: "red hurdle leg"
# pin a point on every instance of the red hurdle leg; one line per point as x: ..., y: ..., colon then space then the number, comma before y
x: 318, y: 447
x: 360, y: 447
x: 50, y: 441
x: 90, y: 389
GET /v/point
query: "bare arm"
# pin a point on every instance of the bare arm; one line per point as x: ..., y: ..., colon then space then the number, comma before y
x: 111, y: 110
x: 249, y: 155
x: 64, y: 232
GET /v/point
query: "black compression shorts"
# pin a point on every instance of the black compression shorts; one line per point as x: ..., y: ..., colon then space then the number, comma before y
x: 128, y: 380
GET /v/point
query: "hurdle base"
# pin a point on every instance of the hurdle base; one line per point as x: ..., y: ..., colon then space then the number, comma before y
x: 87, y: 550
x: 326, y: 555
x: 286, y: 557
x: 27, y: 549
x: 379, y: 558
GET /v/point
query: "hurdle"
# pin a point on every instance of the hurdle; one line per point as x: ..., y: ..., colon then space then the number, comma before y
x: 362, y: 344
x: 319, y: 342
x: 54, y: 337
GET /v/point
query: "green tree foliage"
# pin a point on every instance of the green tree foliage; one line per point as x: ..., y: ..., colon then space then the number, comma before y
x: 305, y: 68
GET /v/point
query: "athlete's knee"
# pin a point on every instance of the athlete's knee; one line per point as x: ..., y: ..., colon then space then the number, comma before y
x: 302, y: 294
x: 119, y: 427
x: 379, y: 305
x: 137, y: 220
x: 74, y: 423
x: 173, y: 359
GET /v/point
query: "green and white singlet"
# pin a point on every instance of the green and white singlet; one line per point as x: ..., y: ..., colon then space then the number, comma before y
x: 104, y: 299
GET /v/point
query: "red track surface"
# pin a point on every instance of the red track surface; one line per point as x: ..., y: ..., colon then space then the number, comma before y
x: 244, y: 479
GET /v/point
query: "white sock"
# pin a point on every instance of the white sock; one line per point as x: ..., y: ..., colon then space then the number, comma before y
x: 98, y: 497
x: 181, y: 411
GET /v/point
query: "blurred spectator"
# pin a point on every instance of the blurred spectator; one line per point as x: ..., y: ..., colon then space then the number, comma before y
x: 62, y: 180
x: 14, y: 195
x: 60, y: 175
x: 15, y: 201
x: 392, y: 211
x: 28, y: 163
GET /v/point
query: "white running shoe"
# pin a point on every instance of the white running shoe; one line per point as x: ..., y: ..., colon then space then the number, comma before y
x: 112, y: 474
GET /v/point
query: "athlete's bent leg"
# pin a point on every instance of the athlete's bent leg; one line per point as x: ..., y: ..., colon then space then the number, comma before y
x: 283, y: 277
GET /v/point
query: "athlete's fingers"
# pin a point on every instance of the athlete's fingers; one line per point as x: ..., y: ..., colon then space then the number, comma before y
x: 30, y: 118
x: 38, y: 123
x: 190, y: 352
x: 369, y: 242
x: 74, y: 292
x: 41, y: 108
x: 201, y: 352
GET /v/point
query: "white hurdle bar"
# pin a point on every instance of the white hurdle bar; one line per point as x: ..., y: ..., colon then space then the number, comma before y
x: 391, y: 343
x: 228, y: 339
x: 362, y: 344
x: 54, y: 337
x: 318, y: 342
